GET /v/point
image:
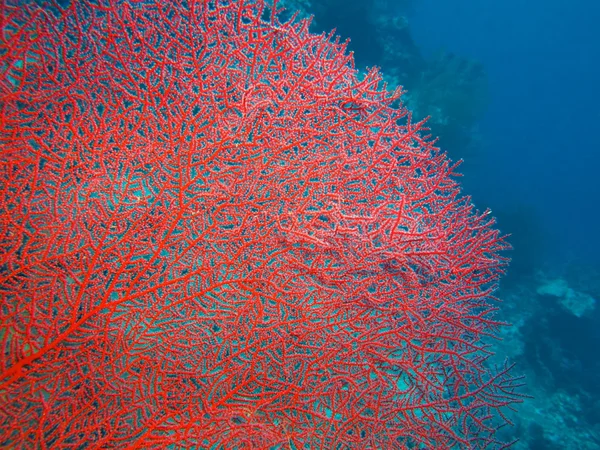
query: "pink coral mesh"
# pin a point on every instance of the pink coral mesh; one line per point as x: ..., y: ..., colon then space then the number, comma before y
x: 216, y: 234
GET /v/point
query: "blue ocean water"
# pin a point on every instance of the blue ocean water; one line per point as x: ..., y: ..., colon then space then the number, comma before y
x: 538, y: 170
x: 512, y: 89
x: 543, y: 64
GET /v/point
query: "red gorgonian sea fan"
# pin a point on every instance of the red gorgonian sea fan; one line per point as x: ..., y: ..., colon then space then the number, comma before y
x: 216, y: 234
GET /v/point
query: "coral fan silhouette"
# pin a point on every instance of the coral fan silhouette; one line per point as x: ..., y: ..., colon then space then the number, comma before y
x: 216, y: 234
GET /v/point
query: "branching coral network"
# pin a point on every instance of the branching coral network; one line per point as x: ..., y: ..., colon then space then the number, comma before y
x: 215, y: 234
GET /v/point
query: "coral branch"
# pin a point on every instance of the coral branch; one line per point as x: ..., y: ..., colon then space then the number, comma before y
x: 215, y: 233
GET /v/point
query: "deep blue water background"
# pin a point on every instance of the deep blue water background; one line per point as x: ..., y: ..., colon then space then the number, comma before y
x: 541, y: 129
x: 540, y: 156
